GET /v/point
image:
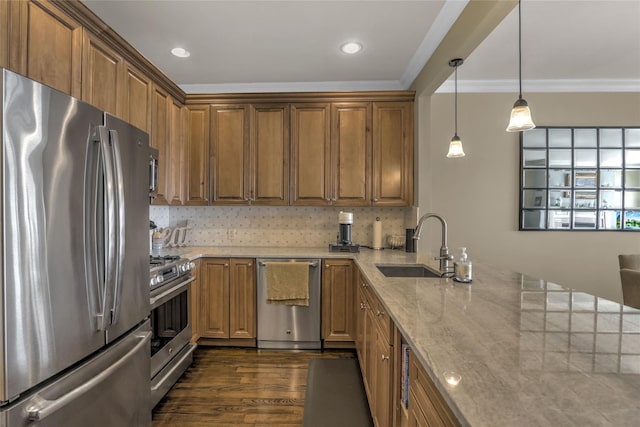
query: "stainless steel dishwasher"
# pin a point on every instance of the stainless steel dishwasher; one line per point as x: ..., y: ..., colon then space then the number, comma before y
x: 289, y: 326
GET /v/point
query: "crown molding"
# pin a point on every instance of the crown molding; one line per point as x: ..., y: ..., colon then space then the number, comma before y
x: 373, y: 85
x: 531, y: 86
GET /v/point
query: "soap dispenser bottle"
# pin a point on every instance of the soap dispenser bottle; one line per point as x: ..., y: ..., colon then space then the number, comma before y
x: 463, y: 268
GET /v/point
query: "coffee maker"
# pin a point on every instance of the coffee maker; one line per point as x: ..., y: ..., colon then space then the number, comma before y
x: 344, y: 244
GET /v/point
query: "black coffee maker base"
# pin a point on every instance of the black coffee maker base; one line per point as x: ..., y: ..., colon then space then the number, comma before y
x: 344, y: 248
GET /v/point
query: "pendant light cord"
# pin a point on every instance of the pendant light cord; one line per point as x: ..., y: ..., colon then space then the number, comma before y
x: 520, y: 48
x: 455, y: 103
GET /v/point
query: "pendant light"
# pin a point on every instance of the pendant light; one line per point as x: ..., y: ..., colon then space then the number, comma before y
x: 520, y: 114
x: 455, y: 146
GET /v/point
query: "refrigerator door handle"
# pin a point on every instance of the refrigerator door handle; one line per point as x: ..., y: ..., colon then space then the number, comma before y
x: 110, y: 221
x: 42, y: 408
x: 120, y: 215
x: 96, y: 232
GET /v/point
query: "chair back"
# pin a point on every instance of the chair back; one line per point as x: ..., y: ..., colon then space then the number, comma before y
x: 629, y: 261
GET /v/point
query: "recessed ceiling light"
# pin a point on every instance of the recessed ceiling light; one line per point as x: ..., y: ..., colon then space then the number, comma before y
x: 180, y: 52
x: 351, y: 47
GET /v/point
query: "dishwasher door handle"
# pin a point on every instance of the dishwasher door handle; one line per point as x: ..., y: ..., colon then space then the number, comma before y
x: 313, y: 264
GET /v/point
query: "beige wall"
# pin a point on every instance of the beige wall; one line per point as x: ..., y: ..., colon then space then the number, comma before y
x: 478, y: 194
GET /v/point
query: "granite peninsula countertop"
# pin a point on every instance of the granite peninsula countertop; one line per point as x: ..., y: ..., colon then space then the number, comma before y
x: 530, y: 352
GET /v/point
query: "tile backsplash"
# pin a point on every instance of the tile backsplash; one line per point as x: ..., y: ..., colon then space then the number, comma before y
x: 277, y: 226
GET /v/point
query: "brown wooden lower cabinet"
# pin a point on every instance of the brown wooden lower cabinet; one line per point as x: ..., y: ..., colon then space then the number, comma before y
x: 338, y: 322
x: 376, y: 353
x: 194, y: 303
x: 227, y: 301
x: 426, y: 405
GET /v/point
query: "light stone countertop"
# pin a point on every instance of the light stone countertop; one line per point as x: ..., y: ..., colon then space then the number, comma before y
x: 530, y: 352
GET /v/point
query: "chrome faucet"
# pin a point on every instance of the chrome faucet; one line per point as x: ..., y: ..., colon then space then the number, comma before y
x: 444, y: 250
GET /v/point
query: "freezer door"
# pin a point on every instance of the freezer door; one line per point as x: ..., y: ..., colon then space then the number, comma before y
x: 49, y: 312
x: 110, y: 390
x: 129, y: 302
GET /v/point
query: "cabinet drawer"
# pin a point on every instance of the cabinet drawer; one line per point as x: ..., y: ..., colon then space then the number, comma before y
x: 380, y: 313
x: 428, y: 398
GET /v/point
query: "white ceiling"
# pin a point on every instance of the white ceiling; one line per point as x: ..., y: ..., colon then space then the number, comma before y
x: 263, y: 46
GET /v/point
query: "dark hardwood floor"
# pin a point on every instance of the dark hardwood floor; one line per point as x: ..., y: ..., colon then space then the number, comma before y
x: 240, y: 387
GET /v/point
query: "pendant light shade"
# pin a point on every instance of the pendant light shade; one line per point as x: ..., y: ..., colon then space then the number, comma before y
x: 520, y: 114
x: 455, y: 146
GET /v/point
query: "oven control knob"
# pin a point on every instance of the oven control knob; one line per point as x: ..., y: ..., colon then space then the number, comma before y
x: 183, y: 268
x: 155, y: 280
x: 192, y: 265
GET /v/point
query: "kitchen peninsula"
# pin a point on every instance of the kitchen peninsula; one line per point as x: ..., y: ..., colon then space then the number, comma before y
x: 528, y: 352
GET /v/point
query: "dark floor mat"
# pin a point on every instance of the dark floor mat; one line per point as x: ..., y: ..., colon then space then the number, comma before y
x: 335, y: 395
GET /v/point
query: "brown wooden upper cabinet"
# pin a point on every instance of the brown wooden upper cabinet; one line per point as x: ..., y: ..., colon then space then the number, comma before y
x: 230, y: 154
x: 269, y: 151
x: 392, y: 153
x: 311, y: 154
x: 250, y: 154
x: 159, y: 138
x: 43, y: 44
x: 175, y: 149
x: 196, y: 152
x: 137, y: 103
x: 351, y: 154
x: 103, y: 75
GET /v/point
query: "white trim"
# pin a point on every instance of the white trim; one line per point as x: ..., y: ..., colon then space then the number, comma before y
x: 293, y: 87
x: 531, y: 86
x: 448, y: 15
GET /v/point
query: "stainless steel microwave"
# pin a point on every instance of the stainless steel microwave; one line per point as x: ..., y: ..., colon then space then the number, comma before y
x: 153, y: 173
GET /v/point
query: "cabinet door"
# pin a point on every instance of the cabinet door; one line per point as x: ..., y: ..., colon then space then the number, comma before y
x: 337, y: 301
x: 230, y: 154
x: 269, y: 166
x: 194, y: 303
x: 310, y: 154
x: 175, y: 164
x: 242, y: 299
x: 351, y: 154
x: 102, y: 76
x: 197, y: 156
x: 361, y: 335
x: 159, y: 139
x: 392, y: 153
x: 4, y: 34
x: 44, y: 44
x: 137, y: 98
x: 214, y: 293
x: 383, y: 367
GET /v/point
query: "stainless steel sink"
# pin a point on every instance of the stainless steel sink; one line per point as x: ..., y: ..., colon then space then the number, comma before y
x: 407, y: 270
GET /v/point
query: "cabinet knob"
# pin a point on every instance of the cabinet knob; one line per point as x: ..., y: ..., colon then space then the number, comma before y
x: 364, y: 285
x: 375, y: 200
x: 326, y: 266
x: 362, y: 306
x: 385, y: 358
x: 249, y: 265
x: 226, y: 265
x: 379, y: 313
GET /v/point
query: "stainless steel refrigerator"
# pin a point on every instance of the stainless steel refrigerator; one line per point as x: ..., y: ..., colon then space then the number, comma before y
x: 74, y: 302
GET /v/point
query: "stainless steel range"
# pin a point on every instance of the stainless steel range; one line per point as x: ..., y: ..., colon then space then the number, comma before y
x: 171, y: 352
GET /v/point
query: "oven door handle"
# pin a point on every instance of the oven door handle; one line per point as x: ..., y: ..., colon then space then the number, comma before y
x: 169, y: 293
x: 176, y: 365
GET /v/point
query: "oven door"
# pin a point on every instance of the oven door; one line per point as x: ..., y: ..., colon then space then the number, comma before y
x: 169, y: 322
